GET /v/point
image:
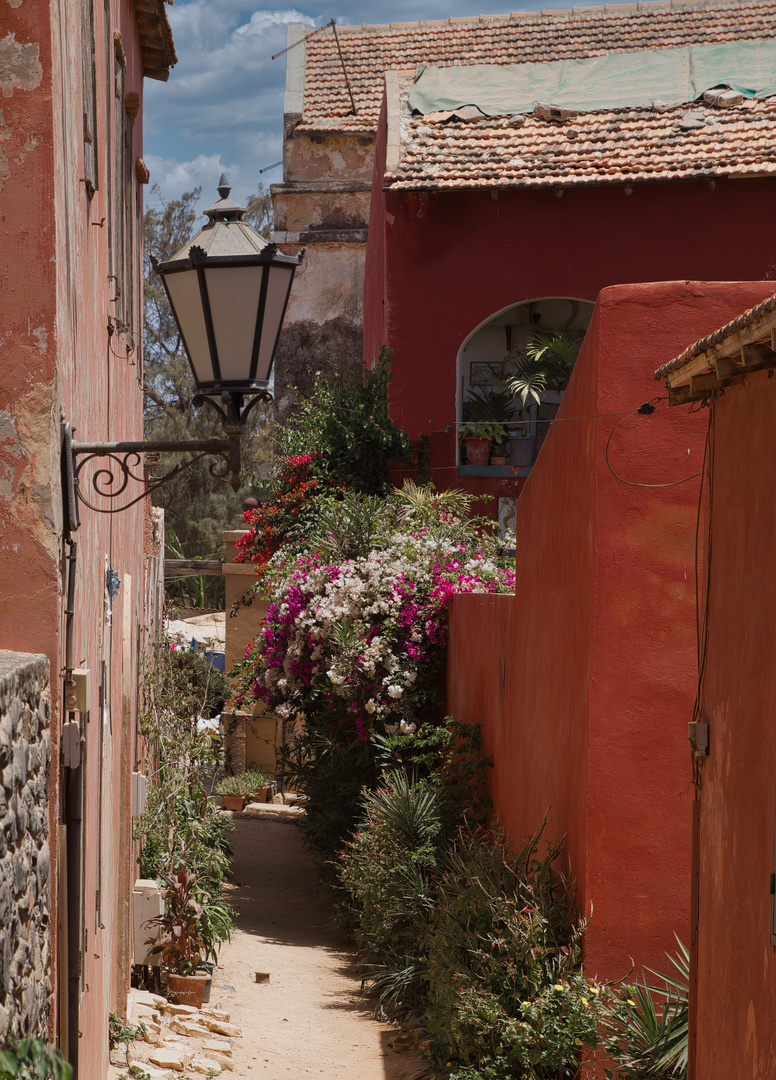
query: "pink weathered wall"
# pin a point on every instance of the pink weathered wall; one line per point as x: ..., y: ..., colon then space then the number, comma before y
x: 584, y: 689
x: 57, y: 294
x: 736, y: 987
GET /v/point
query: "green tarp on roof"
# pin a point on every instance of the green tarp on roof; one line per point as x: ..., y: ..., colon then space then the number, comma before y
x: 615, y: 81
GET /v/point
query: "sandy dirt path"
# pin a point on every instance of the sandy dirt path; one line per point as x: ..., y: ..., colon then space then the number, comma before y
x: 307, y: 1020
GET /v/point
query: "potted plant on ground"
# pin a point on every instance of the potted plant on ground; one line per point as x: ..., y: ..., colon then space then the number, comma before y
x: 234, y: 790
x: 181, y: 946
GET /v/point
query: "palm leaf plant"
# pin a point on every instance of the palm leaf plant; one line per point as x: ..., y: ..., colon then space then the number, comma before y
x: 647, y: 1026
x: 545, y: 366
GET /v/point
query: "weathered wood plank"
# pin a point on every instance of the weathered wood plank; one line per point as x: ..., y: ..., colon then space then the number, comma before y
x: 192, y: 567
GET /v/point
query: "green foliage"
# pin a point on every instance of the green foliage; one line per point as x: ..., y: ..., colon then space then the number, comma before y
x: 181, y: 946
x: 482, y: 429
x: 30, y: 1058
x: 484, y: 404
x: 503, y: 961
x: 331, y: 773
x: 180, y: 827
x: 244, y: 783
x: 647, y: 1026
x: 291, y: 498
x: 547, y: 364
x: 122, y: 1033
x: 197, y: 507
x: 348, y: 422
x: 389, y: 870
x: 451, y: 925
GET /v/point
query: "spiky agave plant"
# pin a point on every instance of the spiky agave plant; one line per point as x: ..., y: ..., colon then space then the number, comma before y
x: 647, y: 1026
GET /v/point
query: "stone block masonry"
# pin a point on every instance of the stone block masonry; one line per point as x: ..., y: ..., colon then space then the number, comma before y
x: 25, y: 863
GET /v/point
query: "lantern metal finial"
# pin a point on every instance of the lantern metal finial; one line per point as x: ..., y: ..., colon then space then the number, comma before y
x: 224, y: 187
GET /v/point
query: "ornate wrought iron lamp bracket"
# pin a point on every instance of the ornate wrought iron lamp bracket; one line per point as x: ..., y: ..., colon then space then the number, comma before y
x: 122, y: 461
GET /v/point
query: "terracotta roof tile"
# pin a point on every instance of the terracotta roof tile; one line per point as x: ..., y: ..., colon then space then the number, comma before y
x: 619, y: 146
x: 521, y: 37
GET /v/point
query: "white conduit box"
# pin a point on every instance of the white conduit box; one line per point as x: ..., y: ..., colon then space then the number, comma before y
x: 147, y: 903
x: 139, y: 793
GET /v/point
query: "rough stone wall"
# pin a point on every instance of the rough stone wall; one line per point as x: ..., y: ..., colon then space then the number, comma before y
x: 25, y: 867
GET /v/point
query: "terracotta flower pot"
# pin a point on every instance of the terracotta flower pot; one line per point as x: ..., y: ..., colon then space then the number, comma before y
x: 186, y: 989
x: 233, y: 802
x: 477, y: 450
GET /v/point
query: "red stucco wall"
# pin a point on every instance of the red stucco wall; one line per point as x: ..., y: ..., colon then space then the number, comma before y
x: 441, y: 263
x: 736, y: 989
x: 584, y: 692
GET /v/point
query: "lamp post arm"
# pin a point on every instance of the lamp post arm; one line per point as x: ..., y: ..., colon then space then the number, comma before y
x: 121, y: 462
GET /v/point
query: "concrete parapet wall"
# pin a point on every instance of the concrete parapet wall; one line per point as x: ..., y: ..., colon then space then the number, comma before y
x: 25, y: 863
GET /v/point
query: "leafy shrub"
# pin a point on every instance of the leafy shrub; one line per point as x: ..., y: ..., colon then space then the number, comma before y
x: 244, y: 783
x: 30, y: 1058
x: 179, y: 827
x: 388, y: 871
x: 348, y: 423
x: 506, y: 992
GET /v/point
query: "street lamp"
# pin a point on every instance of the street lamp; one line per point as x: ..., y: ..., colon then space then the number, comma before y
x: 228, y: 289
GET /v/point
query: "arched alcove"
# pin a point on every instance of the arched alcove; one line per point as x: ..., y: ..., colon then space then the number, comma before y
x: 495, y: 346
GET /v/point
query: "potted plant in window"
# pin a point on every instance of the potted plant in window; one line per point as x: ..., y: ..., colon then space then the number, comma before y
x: 181, y: 945
x: 485, y: 412
x: 546, y: 365
x: 234, y: 790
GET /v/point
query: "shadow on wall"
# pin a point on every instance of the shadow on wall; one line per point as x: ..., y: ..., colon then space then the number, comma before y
x: 307, y: 351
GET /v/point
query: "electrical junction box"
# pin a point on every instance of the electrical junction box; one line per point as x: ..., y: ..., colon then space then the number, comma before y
x: 139, y: 791
x: 147, y: 903
x: 71, y: 745
x: 78, y: 691
x: 698, y: 734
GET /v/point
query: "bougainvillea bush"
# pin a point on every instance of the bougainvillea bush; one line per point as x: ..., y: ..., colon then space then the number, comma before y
x: 288, y: 511
x: 357, y: 646
x: 361, y: 645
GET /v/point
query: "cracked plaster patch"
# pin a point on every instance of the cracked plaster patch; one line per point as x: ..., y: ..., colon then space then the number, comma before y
x: 20, y: 66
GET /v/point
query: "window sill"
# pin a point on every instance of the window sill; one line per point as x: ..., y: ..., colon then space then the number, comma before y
x: 493, y: 470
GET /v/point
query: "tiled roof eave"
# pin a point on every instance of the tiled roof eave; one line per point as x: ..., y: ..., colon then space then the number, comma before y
x: 390, y: 183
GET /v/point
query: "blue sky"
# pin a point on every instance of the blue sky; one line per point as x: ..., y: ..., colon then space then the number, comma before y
x: 222, y: 109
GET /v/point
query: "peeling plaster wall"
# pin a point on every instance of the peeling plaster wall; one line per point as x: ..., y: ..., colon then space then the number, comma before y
x: 62, y: 281
x: 323, y: 206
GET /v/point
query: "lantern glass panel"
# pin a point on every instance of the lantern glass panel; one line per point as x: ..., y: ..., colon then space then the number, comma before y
x: 234, y: 304
x: 187, y: 304
x: 277, y: 296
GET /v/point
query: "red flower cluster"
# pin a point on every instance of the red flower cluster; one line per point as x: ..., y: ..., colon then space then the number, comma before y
x: 271, y: 523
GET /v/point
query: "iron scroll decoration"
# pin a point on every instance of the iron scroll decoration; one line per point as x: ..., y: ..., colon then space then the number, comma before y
x: 122, y: 462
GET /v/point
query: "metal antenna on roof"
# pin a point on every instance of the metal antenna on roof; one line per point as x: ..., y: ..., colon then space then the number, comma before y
x: 344, y: 69
x: 333, y: 24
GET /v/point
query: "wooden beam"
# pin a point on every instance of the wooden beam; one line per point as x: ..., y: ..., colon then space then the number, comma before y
x: 192, y: 568
x: 679, y: 395
x: 758, y: 355
x: 703, y: 385
x: 697, y: 366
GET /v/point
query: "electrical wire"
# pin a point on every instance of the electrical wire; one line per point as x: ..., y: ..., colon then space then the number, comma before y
x: 645, y: 410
